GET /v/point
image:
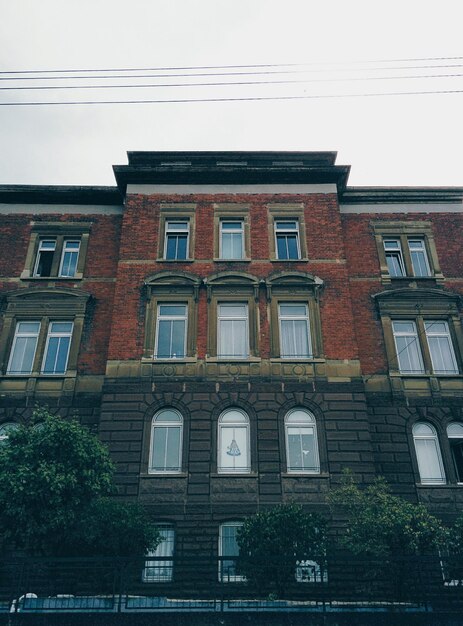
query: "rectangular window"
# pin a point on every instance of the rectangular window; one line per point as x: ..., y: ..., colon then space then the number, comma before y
x: 69, y: 258
x: 295, y: 341
x: 231, y: 239
x: 44, y: 260
x: 441, y: 348
x: 419, y: 257
x: 160, y: 569
x: 233, y: 331
x: 409, y: 358
x: 394, y: 257
x: 24, y: 347
x: 228, y: 552
x: 287, y: 239
x: 171, y: 331
x: 176, y: 240
x: 56, y: 355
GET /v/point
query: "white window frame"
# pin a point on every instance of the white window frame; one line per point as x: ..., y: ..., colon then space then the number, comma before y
x: 421, y: 461
x: 414, y: 336
x: 222, y: 426
x: 425, y: 255
x: 39, y: 250
x: 17, y: 335
x: 170, y: 230
x: 303, y: 423
x: 221, y: 317
x: 230, y: 578
x: 430, y: 333
x: 305, y: 317
x: 63, y: 252
x: 396, y: 252
x: 287, y: 231
x: 160, y: 423
x: 166, y: 548
x: 171, y: 318
x: 458, y: 436
x: 234, y: 231
x: 51, y: 334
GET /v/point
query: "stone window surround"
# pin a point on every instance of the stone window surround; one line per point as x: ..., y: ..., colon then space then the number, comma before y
x: 44, y: 305
x: 59, y: 231
x: 405, y: 231
x: 176, y: 211
x: 420, y: 305
x: 287, y: 211
x: 224, y: 212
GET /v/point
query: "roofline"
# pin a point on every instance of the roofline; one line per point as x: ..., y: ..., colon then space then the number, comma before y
x: 372, y: 195
x: 60, y: 194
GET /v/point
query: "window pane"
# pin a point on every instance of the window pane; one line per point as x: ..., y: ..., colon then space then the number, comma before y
x: 167, y: 415
x: 441, y: 348
x: 176, y: 247
x: 395, y: 264
x: 293, y: 310
x: 70, y: 256
x: 173, y: 449
x: 233, y: 310
x: 302, y: 450
x: 161, y: 570
x: 233, y: 453
x: 292, y: 247
x: 292, y: 225
x: 233, y: 339
x: 429, y: 461
x: 172, y: 310
x: 408, y: 350
x: 56, y: 355
x: 61, y: 327
x: 159, y: 448
x: 419, y: 257
x: 294, y: 339
x: 228, y: 547
x: 171, y: 339
x: 24, y: 346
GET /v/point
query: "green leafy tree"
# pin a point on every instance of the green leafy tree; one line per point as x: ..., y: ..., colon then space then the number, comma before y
x: 56, y: 479
x: 380, y: 524
x: 272, y: 543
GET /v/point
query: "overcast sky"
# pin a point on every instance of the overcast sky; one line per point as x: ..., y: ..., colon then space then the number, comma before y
x: 388, y: 140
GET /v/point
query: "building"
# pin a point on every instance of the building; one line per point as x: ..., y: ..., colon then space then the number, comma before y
x: 239, y: 327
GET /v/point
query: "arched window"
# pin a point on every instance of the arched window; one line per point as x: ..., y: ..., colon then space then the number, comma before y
x: 428, y: 454
x: 301, y: 442
x: 229, y: 551
x: 233, y: 443
x: 455, y: 435
x: 166, y: 442
x: 6, y: 429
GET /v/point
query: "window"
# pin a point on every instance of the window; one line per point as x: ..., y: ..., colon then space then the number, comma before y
x: 301, y: 442
x: 57, y: 347
x: 24, y: 347
x: 406, y: 250
x: 233, y: 443
x: 455, y: 435
x: 287, y: 239
x: 428, y: 454
x: 35, y: 343
x: 228, y: 552
x: 57, y: 250
x: 176, y: 240
x: 161, y: 568
x: 171, y: 331
x: 166, y: 442
x: 233, y: 330
x: 295, y: 341
x: 434, y: 337
x: 6, y: 429
x: 231, y: 239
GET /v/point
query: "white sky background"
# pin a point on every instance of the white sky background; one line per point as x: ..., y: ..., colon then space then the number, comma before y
x: 391, y: 140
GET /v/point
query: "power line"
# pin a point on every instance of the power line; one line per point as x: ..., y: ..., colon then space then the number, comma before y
x: 231, y: 83
x: 207, y: 67
x: 238, y: 99
x: 183, y: 75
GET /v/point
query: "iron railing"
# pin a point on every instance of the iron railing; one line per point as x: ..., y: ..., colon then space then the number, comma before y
x: 329, y: 583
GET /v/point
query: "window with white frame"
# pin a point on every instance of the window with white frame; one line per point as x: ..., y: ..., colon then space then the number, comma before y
x: 229, y: 552
x: 176, y: 240
x: 394, y: 257
x: 407, y: 256
x: 231, y: 239
x: 69, y: 258
x: 295, y: 340
x: 166, y: 442
x: 171, y: 331
x: 419, y: 257
x: 409, y: 345
x: 428, y: 454
x: 56, y: 354
x: 301, y: 442
x: 159, y: 567
x: 232, y: 330
x: 455, y: 435
x: 287, y: 239
x: 44, y: 259
x: 24, y: 347
x: 6, y: 429
x: 233, y: 456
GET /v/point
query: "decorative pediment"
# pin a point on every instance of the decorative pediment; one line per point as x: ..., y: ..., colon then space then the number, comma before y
x: 232, y: 283
x: 42, y: 300
x: 287, y: 282
x: 413, y: 301
x: 173, y: 282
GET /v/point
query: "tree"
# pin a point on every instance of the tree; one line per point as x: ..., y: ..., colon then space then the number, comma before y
x: 272, y: 544
x: 56, y: 479
x: 380, y: 524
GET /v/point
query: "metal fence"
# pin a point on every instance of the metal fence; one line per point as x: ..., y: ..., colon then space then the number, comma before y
x: 329, y: 583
